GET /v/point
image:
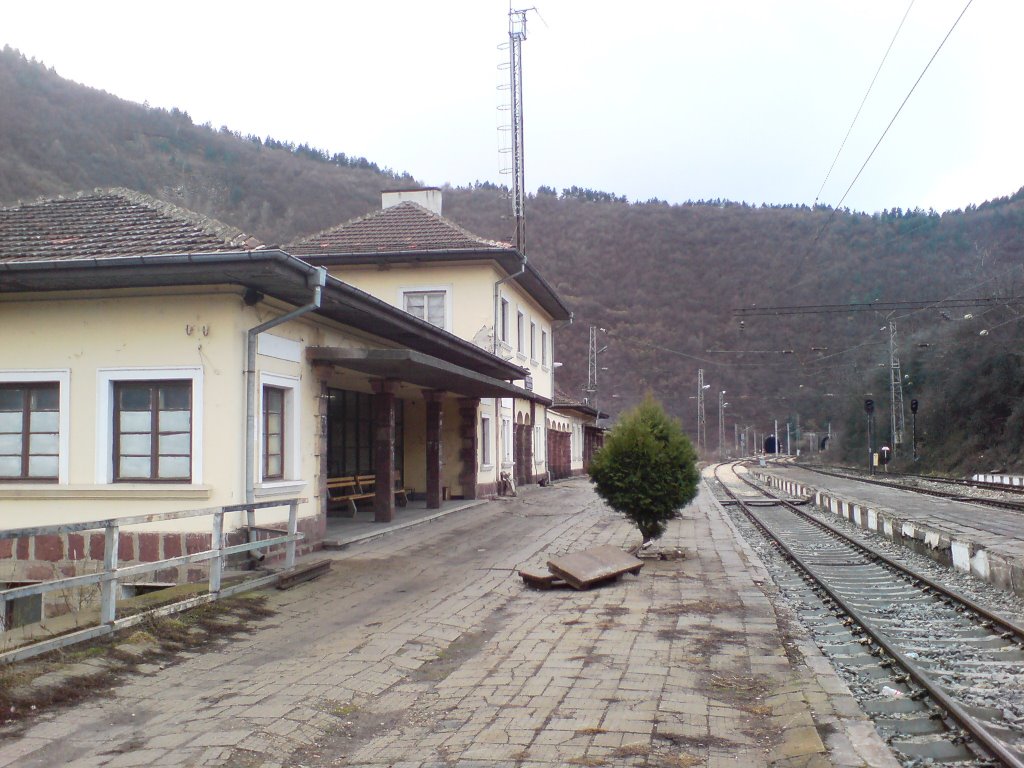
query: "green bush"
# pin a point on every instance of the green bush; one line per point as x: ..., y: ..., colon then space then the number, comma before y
x: 647, y: 469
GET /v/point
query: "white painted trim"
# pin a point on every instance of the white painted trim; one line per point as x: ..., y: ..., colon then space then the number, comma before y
x: 63, y: 378
x: 279, y: 488
x: 447, y: 290
x: 105, y: 378
x: 279, y: 347
x: 292, y: 458
x: 503, y: 303
x: 486, y: 441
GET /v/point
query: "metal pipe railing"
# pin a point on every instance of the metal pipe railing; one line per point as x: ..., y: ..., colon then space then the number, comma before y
x: 112, y: 576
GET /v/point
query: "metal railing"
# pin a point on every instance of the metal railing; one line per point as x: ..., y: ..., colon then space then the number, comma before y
x: 112, y: 576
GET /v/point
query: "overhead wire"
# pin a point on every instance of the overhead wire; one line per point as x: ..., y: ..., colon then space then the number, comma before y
x: 902, y: 104
x: 863, y: 102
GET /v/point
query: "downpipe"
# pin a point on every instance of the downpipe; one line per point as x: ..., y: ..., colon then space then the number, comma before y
x: 316, y: 280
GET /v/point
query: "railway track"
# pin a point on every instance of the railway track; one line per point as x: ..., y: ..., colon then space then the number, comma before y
x: 899, y: 481
x: 942, y: 676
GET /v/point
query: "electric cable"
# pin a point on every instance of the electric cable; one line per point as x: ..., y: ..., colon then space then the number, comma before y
x: 903, y: 104
x: 863, y: 102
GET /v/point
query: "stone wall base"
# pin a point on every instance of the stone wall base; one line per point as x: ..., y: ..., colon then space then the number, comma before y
x: 56, y: 556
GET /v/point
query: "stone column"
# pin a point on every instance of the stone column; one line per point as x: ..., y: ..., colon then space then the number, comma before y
x: 434, y: 441
x: 322, y: 373
x: 384, y: 450
x: 468, y: 445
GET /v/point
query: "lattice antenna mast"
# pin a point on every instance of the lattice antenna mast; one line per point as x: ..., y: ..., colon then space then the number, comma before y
x: 897, y: 419
x: 516, y: 35
x: 592, y: 366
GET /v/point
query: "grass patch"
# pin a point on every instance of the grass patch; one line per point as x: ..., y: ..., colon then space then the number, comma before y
x: 168, y: 636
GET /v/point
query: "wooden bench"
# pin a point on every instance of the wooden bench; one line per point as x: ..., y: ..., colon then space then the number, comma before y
x: 346, y: 491
x: 370, y: 482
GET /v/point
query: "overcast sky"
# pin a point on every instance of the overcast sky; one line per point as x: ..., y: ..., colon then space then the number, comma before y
x: 740, y: 99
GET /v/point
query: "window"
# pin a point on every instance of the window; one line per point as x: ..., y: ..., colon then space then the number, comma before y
x: 278, y: 430
x: 504, y: 320
x: 533, y: 341
x: 485, y: 441
x: 350, y: 430
x: 21, y: 610
x: 273, y: 433
x: 30, y: 431
x: 520, y: 333
x: 539, y: 443
x: 506, y: 440
x: 427, y: 305
x: 543, y: 347
x: 149, y: 425
x: 152, y: 431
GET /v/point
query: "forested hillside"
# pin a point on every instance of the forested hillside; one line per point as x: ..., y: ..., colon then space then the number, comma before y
x: 663, y: 280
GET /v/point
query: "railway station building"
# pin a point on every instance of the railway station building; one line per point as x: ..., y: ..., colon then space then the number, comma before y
x: 153, y: 360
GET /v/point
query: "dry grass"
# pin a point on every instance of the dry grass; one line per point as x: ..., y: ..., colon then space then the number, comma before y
x: 590, y: 762
x: 637, y: 749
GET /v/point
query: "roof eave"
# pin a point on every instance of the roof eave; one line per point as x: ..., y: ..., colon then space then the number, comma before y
x: 531, y: 280
x: 353, y: 307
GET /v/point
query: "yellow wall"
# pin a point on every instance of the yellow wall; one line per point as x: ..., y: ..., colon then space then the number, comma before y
x: 470, y: 288
x: 204, y: 333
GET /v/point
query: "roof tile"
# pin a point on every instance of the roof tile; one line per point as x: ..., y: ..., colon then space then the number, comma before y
x: 111, y: 223
x: 403, y: 228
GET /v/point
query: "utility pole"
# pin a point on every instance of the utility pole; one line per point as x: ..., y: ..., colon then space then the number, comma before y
x: 897, y: 423
x: 702, y: 422
x: 721, y: 425
x: 788, y: 447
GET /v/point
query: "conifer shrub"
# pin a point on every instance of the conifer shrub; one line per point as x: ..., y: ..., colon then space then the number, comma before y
x: 647, y: 469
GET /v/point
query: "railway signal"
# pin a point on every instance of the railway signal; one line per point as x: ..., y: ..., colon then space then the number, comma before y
x: 869, y: 409
x: 913, y: 416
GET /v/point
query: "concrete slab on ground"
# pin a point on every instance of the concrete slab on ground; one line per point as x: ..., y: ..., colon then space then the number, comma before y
x: 424, y: 648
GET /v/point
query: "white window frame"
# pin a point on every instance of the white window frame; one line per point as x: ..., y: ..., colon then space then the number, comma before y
x: 62, y: 376
x: 521, y: 333
x: 292, y: 433
x: 503, y: 319
x: 506, y: 442
x: 105, y: 380
x: 533, y: 342
x: 544, y: 348
x: 445, y: 289
x: 540, y: 443
x: 486, y: 442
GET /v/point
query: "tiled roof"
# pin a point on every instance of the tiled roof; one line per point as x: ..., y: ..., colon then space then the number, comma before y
x: 403, y: 228
x: 111, y: 223
x: 564, y: 398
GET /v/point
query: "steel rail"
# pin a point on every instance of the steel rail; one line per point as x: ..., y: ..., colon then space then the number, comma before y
x: 1005, y: 624
x: 993, y: 745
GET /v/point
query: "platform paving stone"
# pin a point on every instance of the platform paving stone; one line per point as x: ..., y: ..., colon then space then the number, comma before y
x: 683, y: 664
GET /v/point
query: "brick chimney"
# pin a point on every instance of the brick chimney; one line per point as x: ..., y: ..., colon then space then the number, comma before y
x: 428, y: 197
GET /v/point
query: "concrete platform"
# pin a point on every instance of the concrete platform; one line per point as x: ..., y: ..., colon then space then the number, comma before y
x: 984, y: 541
x: 343, y: 530
x: 422, y: 647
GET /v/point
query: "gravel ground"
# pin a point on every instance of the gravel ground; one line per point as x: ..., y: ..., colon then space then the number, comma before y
x: 997, y: 686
